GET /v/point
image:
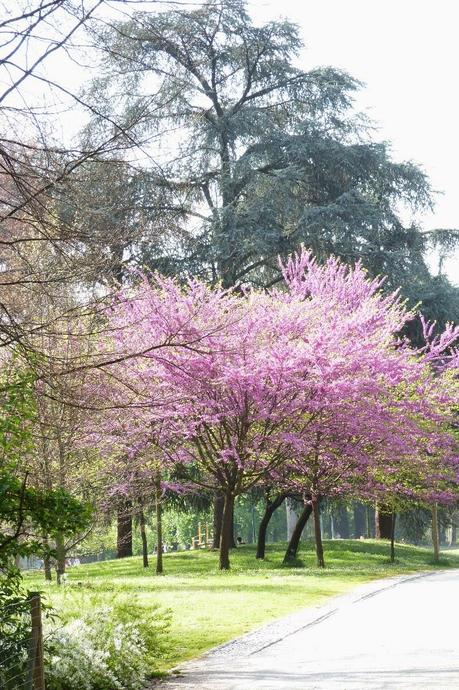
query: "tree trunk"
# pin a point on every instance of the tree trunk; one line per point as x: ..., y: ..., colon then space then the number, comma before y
x: 47, y: 568
x: 383, y: 522
x: 159, y: 526
x: 318, y: 532
x: 226, y: 240
x: 233, y: 544
x: 219, y: 502
x: 453, y: 535
x: 227, y: 525
x: 60, y: 558
x: 143, y: 535
x: 124, y: 536
x: 435, y: 535
x: 359, y: 520
x: 47, y: 560
x: 392, y: 538
x: 271, y: 506
x: 292, y: 548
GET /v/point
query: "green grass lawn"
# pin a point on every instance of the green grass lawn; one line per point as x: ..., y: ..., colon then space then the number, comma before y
x: 209, y: 607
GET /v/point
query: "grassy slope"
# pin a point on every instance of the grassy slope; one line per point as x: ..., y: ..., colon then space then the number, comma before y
x: 209, y: 607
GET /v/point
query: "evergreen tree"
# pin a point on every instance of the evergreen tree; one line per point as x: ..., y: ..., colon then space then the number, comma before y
x: 257, y: 155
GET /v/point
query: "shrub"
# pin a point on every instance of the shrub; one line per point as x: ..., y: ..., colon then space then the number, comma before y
x: 14, y: 631
x: 110, y: 648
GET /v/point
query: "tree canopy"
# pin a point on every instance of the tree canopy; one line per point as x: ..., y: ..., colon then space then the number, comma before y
x: 256, y: 153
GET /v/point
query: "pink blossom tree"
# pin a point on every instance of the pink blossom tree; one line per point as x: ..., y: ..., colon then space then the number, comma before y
x: 306, y: 381
x: 221, y: 409
x: 390, y: 439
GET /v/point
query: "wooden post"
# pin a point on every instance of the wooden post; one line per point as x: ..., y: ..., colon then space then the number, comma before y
x: 199, y: 534
x: 207, y: 533
x: 36, y: 666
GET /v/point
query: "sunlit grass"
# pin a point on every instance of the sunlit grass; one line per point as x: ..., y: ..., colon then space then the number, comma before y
x: 209, y: 607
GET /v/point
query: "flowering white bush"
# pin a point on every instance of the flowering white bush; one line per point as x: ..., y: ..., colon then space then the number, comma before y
x: 96, y: 653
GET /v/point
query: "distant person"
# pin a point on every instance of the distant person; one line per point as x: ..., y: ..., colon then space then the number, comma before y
x: 239, y: 541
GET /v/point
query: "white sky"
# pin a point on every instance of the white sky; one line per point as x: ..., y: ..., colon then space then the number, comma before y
x: 406, y: 52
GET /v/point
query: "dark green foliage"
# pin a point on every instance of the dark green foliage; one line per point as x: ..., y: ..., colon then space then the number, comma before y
x: 439, y: 302
x: 414, y: 524
x: 339, y: 510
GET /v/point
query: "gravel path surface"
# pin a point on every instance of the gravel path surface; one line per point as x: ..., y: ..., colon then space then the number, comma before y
x: 393, y: 633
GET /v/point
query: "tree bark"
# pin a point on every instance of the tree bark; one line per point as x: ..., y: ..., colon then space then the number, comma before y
x: 124, y: 528
x: 47, y: 568
x: 47, y: 560
x: 392, y: 538
x: 360, y: 528
x: 143, y: 535
x: 233, y: 544
x: 271, y: 506
x: 60, y: 558
x: 318, y: 532
x: 219, y: 502
x: 383, y: 522
x: 292, y: 548
x: 227, y: 525
x: 453, y: 535
x: 159, y: 526
x: 435, y: 534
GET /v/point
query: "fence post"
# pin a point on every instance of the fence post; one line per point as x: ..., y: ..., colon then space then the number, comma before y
x: 37, y: 671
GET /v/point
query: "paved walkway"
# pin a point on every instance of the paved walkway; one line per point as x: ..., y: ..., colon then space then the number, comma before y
x: 398, y: 634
